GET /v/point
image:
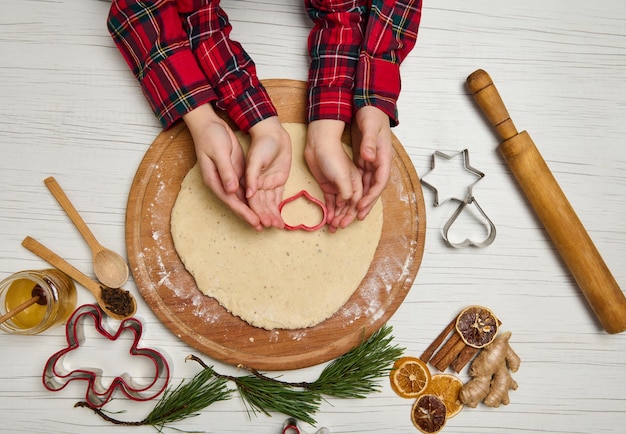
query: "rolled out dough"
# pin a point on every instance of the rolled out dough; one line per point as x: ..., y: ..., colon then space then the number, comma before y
x: 274, y: 279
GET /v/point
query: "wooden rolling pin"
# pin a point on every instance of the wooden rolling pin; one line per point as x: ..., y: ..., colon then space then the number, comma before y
x: 553, y: 209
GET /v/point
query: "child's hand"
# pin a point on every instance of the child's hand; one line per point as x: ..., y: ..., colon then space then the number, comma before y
x: 267, y: 170
x: 335, y: 172
x: 371, y: 142
x: 221, y: 160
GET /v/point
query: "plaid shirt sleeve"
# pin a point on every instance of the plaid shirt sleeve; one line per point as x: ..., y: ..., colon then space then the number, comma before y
x: 180, y: 53
x: 152, y: 41
x: 356, y: 49
x: 226, y: 64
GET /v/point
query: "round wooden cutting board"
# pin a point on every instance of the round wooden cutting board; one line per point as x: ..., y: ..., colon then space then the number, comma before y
x: 170, y: 291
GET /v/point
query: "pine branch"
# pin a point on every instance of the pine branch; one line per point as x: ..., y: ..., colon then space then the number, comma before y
x: 187, y: 400
x: 184, y: 401
x: 274, y: 396
x: 353, y: 375
x: 264, y: 394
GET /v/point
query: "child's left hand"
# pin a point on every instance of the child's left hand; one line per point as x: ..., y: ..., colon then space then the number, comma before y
x: 337, y: 175
x: 373, y: 152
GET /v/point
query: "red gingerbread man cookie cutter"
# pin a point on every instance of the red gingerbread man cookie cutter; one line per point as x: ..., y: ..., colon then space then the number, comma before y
x: 56, y: 376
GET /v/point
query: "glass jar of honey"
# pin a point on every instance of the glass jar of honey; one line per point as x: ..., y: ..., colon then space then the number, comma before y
x: 56, y: 300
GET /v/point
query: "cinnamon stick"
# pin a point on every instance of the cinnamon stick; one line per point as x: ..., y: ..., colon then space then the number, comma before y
x: 446, y: 348
x: 463, y: 358
x: 437, y: 342
x: 451, y: 355
x: 19, y: 308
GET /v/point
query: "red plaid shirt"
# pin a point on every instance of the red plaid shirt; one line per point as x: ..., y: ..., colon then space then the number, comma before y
x: 356, y: 48
x: 181, y: 53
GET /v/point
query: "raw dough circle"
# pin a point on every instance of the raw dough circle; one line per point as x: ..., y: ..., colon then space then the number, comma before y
x: 274, y: 278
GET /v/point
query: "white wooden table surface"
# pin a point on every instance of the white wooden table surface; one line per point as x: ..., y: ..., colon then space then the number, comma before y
x: 70, y: 108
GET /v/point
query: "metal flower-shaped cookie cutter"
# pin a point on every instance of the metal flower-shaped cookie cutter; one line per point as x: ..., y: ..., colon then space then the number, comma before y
x: 312, y: 199
x: 469, y: 199
x: 56, y: 376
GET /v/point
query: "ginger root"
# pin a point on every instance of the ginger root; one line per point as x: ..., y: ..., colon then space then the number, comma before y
x: 491, y: 374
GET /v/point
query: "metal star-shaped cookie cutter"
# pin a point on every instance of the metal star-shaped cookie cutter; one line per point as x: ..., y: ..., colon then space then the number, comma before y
x: 468, y: 199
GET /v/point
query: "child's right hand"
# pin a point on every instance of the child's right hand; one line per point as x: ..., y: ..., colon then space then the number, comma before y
x: 221, y: 160
x: 267, y: 168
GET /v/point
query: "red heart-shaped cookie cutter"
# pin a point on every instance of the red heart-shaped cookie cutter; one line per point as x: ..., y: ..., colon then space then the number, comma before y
x: 312, y: 199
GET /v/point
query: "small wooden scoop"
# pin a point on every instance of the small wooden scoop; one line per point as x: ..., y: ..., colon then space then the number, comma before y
x: 94, y: 287
x: 110, y: 268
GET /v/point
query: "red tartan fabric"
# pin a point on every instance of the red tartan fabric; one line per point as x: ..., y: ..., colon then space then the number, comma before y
x: 181, y: 54
x: 226, y: 65
x: 356, y: 48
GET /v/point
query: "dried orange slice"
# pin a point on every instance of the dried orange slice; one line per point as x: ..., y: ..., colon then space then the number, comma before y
x: 447, y: 388
x: 428, y: 414
x: 477, y: 325
x: 409, y: 377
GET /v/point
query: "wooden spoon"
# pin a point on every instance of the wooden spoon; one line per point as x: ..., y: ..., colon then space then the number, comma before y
x: 110, y: 268
x: 94, y: 287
